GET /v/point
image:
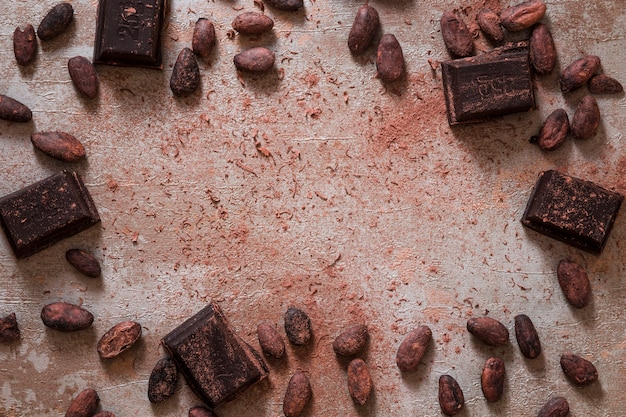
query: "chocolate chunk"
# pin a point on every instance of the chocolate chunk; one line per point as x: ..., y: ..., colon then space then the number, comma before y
x: 46, y: 212
x: 577, y: 212
x: 128, y: 32
x: 216, y: 363
x: 492, y: 84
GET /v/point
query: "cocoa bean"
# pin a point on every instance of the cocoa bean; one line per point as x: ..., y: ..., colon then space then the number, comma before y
x: 104, y: 414
x: 574, y: 282
x: 252, y: 23
x: 59, y: 145
x: 580, y: 371
x: 555, y: 407
x: 257, y: 59
x: 456, y: 35
x: 14, y: 111
x: 162, y: 382
x: 56, y: 21
x: 554, y: 130
x: 527, y: 337
x: 24, y: 45
x: 66, y: 317
x: 586, y: 119
x: 290, y: 5
x: 364, y: 29
x: 389, y: 58
x: 542, y: 50
x: 271, y: 342
x: 9, y: 331
x: 359, y: 381
x: 203, y: 38
x: 523, y: 15
x: 576, y: 74
x: 199, y: 411
x: 297, y: 326
x: 413, y: 348
x: 451, y: 398
x: 488, y: 330
x: 603, y: 84
x: 118, y: 339
x: 298, y: 394
x: 84, y: 405
x: 83, y: 75
x: 84, y: 262
x: 489, y: 23
x: 351, y: 341
x: 185, y: 77
x: 492, y: 379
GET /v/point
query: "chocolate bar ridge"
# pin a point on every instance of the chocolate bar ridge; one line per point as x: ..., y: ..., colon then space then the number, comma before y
x: 577, y: 212
x: 46, y: 212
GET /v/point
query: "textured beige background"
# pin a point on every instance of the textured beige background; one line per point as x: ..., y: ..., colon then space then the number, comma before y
x: 369, y: 209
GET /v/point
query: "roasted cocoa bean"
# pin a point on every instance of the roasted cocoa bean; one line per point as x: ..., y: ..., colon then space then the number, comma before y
x: 492, y: 379
x: 252, y: 23
x: 83, y: 75
x: 364, y: 29
x: 185, y: 77
x: 578, y: 73
x: 66, y: 317
x: 451, y: 398
x: 554, y: 130
x: 523, y: 15
x: 271, y: 342
x: 118, y: 339
x: 203, y: 39
x: 413, y: 348
x: 298, y: 394
x: 14, y: 111
x: 257, y: 59
x: 389, y: 58
x: 352, y: 341
x: 359, y: 381
x: 488, y: 330
x: 489, y: 23
x: 297, y: 326
x: 580, y: 371
x: 84, y: 405
x: 56, y: 21
x: 456, y: 35
x: 555, y: 407
x: 199, y: 411
x: 290, y: 5
x: 603, y: 84
x: 104, y: 413
x: 162, y: 382
x: 84, y: 262
x: 586, y: 119
x: 527, y: 337
x: 24, y: 45
x: 542, y: 50
x: 59, y: 145
x: 574, y: 282
x: 9, y: 331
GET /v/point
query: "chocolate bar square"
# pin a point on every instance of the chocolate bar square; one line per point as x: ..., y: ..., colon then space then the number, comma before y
x: 574, y: 211
x: 216, y: 363
x: 492, y: 84
x: 128, y: 32
x: 46, y: 212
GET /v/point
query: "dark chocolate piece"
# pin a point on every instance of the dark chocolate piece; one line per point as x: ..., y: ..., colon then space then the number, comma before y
x: 216, y: 363
x: 128, y: 33
x: 574, y: 211
x: 489, y: 85
x: 46, y: 212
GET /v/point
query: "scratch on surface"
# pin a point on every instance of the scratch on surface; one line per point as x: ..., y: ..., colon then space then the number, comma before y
x: 111, y: 388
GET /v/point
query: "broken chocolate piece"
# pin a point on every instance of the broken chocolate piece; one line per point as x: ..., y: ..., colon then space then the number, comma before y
x: 574, y: 211
x: 46, y: 212
x: 489, y: 85
x: 128, y: 32
x: 216, y: 363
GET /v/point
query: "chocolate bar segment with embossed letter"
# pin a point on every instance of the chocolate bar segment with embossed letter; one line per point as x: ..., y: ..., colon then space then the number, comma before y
x: 492, y: 84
